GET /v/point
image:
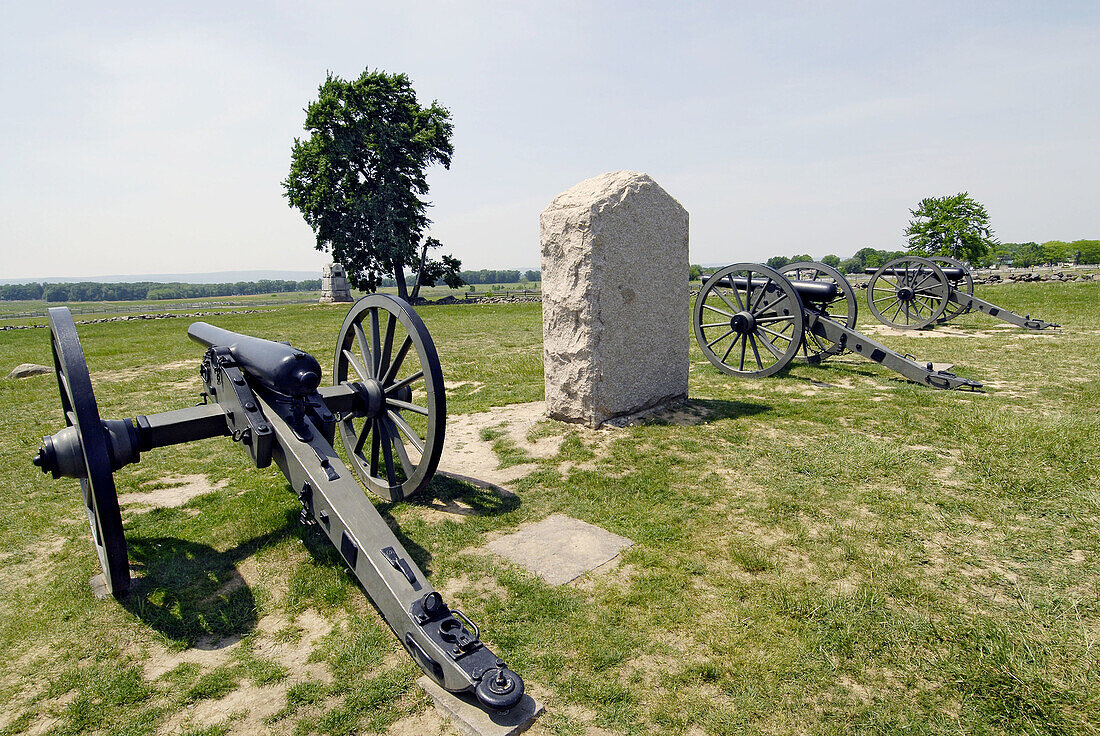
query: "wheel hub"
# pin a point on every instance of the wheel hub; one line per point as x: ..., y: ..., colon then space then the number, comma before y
x: 374, y: 396
x: 743, y: 323
x: 905, y: 293
x: 374, y: 399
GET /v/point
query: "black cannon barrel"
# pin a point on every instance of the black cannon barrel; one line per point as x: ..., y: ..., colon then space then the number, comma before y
x: 808, y: 291
x: 276, y: 365
x: 954, y: 274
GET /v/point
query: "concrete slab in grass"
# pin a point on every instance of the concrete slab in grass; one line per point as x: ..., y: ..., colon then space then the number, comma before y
x: 559, y: 548
x: 470, y: 718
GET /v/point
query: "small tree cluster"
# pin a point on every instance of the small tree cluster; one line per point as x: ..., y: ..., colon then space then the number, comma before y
x: 954, y: 226
x: 359, y: 179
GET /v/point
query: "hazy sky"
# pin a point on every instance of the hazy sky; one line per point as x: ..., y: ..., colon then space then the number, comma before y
x: 153, y: 137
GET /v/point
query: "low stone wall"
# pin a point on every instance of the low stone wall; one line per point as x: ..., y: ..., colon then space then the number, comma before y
x: 1001, y: 277
x: 132, y: 318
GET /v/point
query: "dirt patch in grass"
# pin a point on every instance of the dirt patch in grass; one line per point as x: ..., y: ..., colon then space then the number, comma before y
x: 208, y: 652
x: 172, y: 491
x: 428, y: 722
x: 33, y: 564
x: 474, y: 387
x: 940, y: 331
x: 307, y: 628
x: 468, y: 454
x: 249, y: 706
x: 463, y: 588
x: 28, y: 688
x: 129, y: 374
x: 288, y: 642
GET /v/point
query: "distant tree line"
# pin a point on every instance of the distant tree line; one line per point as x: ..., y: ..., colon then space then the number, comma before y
x: 1024, y: 255
x: 1021, y: 255
x: 863, y: 258
x: 92, y: 291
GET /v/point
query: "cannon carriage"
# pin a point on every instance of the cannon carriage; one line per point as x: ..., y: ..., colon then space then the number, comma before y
x: 911, y: 293
x: 388, y: 403
x: 752, y: 321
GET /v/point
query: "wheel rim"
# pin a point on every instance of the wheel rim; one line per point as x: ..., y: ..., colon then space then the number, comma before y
x: 965, y: 284
x: 908, y: 293
x: 842, y: 309
x: 395, y: 437
x: 748, y: 320
x: 98, y: 486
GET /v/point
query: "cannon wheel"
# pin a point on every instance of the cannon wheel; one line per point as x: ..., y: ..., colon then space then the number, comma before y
x: 843, y: 309
x: 395, y: 439
x: 98, y: 486
x: 736, y: 333
x: 966, y: 284
x: 908, y: 293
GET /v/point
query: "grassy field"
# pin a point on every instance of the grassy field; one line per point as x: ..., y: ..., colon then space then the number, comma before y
x: 833, y: 550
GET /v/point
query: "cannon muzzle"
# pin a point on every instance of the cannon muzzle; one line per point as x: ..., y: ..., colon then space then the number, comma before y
x: 278, y: 366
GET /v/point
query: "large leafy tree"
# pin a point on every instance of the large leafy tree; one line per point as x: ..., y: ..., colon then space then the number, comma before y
x: 359, y: 179
x: 954, y: 226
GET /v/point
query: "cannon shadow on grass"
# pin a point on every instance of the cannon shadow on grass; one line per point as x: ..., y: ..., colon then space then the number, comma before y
x: 190, y: 592
x: 195, y: 596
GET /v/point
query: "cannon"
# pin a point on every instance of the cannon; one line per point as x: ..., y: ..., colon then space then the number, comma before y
x: 388, y: 402
x: 910, y: 293
x: 752, y: 321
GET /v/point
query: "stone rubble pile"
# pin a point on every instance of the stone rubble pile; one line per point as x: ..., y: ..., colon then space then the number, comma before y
x: 1032, y: 276
x: 132, y: 317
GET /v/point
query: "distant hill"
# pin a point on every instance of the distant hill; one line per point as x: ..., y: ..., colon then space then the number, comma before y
x: 216, y: 277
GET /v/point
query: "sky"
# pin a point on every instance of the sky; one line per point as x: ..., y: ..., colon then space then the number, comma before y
x: 154, y: 137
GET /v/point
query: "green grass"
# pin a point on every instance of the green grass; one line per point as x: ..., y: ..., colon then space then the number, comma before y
x: 869, y: 556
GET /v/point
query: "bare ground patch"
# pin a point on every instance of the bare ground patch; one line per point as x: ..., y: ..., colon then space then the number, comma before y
x: 249, y: 706
x: 939, y: 331
x: 522, y: 426
x: 428, y: 722
x: 129, y: 374
x: 278, y: 638
x: 172, y: 491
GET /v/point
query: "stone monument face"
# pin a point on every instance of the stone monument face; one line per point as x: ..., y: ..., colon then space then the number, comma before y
x: 615, y: 315
x: 334, y: 285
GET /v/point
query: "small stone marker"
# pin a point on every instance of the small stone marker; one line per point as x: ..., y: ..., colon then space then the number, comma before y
x: 559, y: 548
x: 473, y: 720
x: 615, y: 298
x: 26, y: 370
x: 334, y: 285
x: 99, y: 586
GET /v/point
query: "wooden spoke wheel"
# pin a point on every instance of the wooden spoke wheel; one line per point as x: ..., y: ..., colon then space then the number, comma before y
x: 395, y: 437
x: 965, y: 284
x: 908, y: 293
x: 97, y: 483
x: 748, y: 320
x: 841, y: 309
